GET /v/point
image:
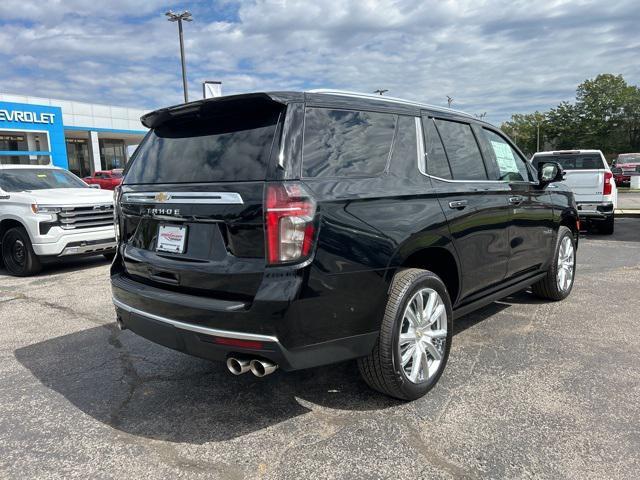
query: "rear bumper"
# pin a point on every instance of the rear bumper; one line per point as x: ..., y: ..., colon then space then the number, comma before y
x: 215, y: 329
x: 595, y: 211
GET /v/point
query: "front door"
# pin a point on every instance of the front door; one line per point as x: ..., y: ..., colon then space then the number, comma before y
x: 475, y: 207
x: 531, y: 213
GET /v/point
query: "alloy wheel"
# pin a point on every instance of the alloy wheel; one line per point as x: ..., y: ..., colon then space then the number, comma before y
x: 566, y: 263
x: 423, y: 335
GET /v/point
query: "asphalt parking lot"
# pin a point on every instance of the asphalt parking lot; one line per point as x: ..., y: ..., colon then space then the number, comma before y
x: 532, y: 390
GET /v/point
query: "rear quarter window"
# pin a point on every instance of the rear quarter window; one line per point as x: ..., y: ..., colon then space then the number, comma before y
x: 346, y: 143
x: 405, y: 148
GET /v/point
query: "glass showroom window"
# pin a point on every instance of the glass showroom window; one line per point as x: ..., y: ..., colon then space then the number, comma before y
x: 78, y: 156
x: 112, y: 154
x: 24, y: 148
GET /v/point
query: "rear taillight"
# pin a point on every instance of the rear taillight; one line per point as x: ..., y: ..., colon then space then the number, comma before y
x: 289, y: 222
x: 608, y: 176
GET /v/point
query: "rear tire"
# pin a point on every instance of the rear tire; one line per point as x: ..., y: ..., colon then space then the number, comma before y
x: 17, y: 253
x: 389, y: 368
x: 554, y: 286
x: 606, y: 227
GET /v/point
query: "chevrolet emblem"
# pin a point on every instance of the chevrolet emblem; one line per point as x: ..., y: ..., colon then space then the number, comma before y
x: 162, y: 197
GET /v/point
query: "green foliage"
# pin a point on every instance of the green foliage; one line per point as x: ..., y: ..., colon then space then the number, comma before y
x: 605, y: 116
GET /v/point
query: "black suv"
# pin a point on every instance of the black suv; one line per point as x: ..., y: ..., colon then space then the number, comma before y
x: 292, y: 230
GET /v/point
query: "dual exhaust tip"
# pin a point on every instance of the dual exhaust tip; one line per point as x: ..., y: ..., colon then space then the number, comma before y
x: 260, y: 368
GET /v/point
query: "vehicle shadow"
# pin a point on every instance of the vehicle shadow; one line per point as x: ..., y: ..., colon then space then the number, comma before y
x: 59, y: 266
x: 146, y: 390
x: 471, y: 319
x: 626, y: 230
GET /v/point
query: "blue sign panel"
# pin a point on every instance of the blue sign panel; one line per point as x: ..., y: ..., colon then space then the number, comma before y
x: 22, y: 117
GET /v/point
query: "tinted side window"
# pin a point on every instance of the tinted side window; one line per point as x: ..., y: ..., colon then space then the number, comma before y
x: 405, y: 149
x: 510, y: 165
x: 437, y: 164
x: 462, y: 150
x: 339, y: 143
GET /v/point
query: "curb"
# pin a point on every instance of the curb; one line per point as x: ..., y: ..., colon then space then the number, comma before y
x: 627, y: 213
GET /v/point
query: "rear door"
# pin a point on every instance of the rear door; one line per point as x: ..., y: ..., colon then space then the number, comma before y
x: 476, y: 208
x: 531, y: 212
x: 191, y: 203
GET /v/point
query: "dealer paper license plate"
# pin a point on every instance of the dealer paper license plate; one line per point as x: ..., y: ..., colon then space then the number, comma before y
x: 171, y: 238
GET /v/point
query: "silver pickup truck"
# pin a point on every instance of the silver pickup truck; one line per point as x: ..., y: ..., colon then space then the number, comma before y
x: 593, y: 185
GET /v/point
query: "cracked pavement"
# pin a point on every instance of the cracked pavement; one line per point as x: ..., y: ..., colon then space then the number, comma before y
x: 531, y: 390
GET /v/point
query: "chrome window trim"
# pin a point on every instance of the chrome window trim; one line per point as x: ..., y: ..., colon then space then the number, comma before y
x: 220, y: 198
x: 423, y: 168
x: 197, y: 328
x: 480, y: 181
x: 421, y: 153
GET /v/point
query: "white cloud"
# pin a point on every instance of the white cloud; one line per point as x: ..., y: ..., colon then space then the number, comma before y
x: 495, y: 56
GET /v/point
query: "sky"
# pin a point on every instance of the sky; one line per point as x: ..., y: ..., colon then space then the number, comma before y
x: 500, y: 56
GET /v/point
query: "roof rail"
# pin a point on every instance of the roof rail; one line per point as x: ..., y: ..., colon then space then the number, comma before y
x: 384, y: 98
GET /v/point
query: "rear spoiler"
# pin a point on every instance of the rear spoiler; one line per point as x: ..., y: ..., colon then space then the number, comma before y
x: 209, y: 107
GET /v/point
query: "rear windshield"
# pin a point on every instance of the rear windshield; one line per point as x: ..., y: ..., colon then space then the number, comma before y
x: 587, y: 161
x: 628, y: 158
x: 25, y: 179
x: 221, y: 148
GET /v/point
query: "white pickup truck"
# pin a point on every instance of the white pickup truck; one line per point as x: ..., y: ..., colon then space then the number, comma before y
x: 589, y: 177
x: 47, y: 212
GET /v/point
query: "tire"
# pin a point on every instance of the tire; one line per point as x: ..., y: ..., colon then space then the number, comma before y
x: 383, y: 369
x: 551, y: 287
x: 606, y: 227
x: 17, y: 253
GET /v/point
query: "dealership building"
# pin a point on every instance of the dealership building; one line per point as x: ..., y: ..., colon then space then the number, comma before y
x: 78, y: 136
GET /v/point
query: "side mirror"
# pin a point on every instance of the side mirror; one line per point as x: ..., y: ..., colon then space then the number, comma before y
x: 550, y: 172
x: 94, y: 185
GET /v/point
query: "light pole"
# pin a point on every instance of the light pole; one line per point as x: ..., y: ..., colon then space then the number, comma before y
x: 179, y: 17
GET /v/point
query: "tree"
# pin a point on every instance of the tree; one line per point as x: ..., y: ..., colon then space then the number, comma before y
x: 564, y: 126
x: 605, y: 116
x: 524, y: 128
x: 632, y: 117
x: 601, y: 102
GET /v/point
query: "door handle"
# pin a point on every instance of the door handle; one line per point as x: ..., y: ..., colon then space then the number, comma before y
x: 458, y: 204
x: 516, y: 200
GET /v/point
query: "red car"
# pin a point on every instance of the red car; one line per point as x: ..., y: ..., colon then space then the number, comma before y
x: 107, y: 179
x: 623, y: 167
